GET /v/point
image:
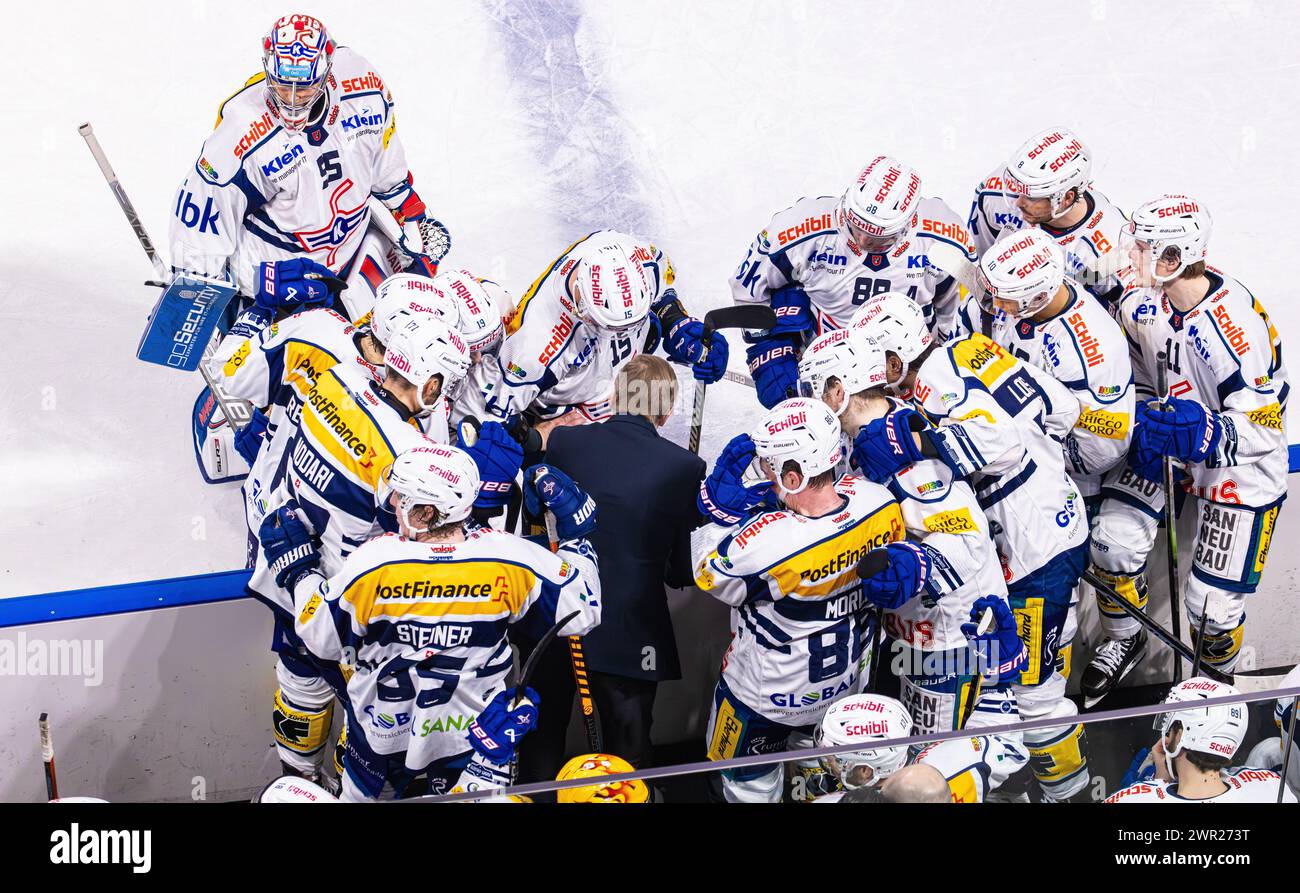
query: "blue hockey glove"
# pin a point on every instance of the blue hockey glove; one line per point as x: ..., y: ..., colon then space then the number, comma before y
x: 498, y: 457
x: 1141, y: 769
x: 288, y: 545
x: 902, y: 579
x: 499, y: 728
x: 1000, y: 651
x: 884, y: 447
x: 774, y: 366
x: 1181, y: 428
x: 724, y: 495
x: 1147, y: 465
x: 293, y: 284
x: 548, y: 488
x: 249, y: 439
x: 685, y: 344
x: 793, y: 312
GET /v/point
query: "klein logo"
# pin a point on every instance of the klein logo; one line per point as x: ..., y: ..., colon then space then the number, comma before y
x: 275, y: 165
x: 355, y: 122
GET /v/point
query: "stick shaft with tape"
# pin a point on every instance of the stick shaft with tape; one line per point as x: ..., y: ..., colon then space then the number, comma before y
x: 47, y: 756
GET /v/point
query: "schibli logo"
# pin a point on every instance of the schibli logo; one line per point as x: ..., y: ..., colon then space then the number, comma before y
x: 1183, y: 207
x: 398, y: 361
x: 1036, y: 262
x: 462, y: 291
x: 642, y: 254
x: 811, y: 225
x: 1067, y: 154
x: 597, y: 292
x: 888, y: 180
x: 786, y: 423
x: 954, y: 231
x: 1013, y: 249
x: 1224, y: 749
x: 559, y: 337
x: 1047, y: 142
x: 1234, y: 334
x: 624, y: 286
x: 749, y: 532
x: 1090, y: 346
x: 1199, y: 686
x: 258, y: 129
x: 864, y: 707
x: 921, y: 392
x: 867, y: 728
x: 368, y: 81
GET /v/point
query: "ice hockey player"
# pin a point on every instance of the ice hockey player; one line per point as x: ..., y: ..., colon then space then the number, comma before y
x: 1047, y: 184
x: 1271, y: 752
x: 350, y: 431
x: 1029, y: 306
x: 288, y: 172
x: 819, y: 260
x: 595, y: 765
x: 422, y: 620
x: 948, y: 561
x: 606, y: 299
x: 800, y: 625
x: 1000, y: 422
x: 1193, y: 756
x: 974, y: 767
x: 1224, y: 422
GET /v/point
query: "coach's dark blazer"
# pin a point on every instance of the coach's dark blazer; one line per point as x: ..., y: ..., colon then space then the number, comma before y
x: 645, y: 488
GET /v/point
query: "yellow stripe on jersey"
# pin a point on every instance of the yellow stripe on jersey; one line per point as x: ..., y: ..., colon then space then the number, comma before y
x: 965, y: 787
x: 304, y: 363
x: 237, y: 359
x: 430, y: 589
x: 345, y: 431
x: 1267, y: 523
x: 1273, y: 340
x: 831, y: 564
x: 255, y: 79
x: 1267, y: 416
x: 517, y: 318
x: 981, y: 355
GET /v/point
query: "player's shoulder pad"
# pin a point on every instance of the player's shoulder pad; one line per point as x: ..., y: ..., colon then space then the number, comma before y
x: 805, y: 219
x: 991, y: 185
x: 936, y: 220
x: 244, y: 122
x: 1232, y: 316
x: 374, y: 553
x: 751, y: 547
x: 319, y: 324
x: 355, y: 76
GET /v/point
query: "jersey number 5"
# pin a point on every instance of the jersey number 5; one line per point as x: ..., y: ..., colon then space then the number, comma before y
x: 330, y: 169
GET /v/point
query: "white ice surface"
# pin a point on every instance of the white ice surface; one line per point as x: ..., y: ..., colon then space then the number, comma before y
x: 529, y: 123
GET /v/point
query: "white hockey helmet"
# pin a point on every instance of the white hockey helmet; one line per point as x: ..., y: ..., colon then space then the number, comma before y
x: 877, y: 208
x: 800, y: 430
x: 1025, y: 267
x: 403, y: 295
x: 481, y: 307
x: 848, y: 355
x: 424, y: 346
x: 1173, y: 228
x: 613, y: 290
x: 293, y: 789
x: 1217, y: 730
x: 1048, y: 165
x: 861, y: 719
x: 434, y: 474
x: 897, y: 324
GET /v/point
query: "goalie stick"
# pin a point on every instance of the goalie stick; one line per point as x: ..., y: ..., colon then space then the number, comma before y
x: 738, y: 316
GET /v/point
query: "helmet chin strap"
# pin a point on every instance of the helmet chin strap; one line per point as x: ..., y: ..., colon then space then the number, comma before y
x: 896, y: 387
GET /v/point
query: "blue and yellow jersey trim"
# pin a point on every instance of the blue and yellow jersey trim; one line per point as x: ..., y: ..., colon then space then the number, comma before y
x: 221, y: 110
x: 517, y: 319
x: 341, y: 426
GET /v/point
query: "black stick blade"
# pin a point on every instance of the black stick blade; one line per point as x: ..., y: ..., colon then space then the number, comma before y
x: 874, y: 562
x: 740, y: 316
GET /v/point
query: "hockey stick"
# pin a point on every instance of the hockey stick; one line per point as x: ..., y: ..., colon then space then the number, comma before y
x: 976, y: 684
x: 47, y: 755
x: 738, y: 378
x: 738, y: 316
x: 137, y: 226
x: 1171, y: 518
x: 578, y: 660
x: 527, y: 674
x: 1288, y: 744
x: 874, y: 562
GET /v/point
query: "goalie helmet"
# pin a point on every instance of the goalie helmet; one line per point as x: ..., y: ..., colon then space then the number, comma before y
x: 1024, y: 267
x: 481, y: 305
x: 436, y: 474
x: 425, y: 346
x: 860, y: 719
x: 896, y: 323
x: 1173, y: 228
x: 613, y: 291
x: 296, y: 55
x: 594, y: 765
x: 1217, y: 730
x: 844, y: 354
x: 1048, y: 165
x: 404, y: 295
x: 877, y: 209
x: 803, y: 431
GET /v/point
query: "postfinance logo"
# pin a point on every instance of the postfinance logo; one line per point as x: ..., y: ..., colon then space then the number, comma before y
x: 827, y: 567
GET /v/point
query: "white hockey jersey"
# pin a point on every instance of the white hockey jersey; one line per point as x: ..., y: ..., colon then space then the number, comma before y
x: 424, y: 625
x: 1091, y: 246
x: 1084, y: 349
x: 800, y: 627
x: 1009, y: 419
x: 1245, y: 785
x: 974, y: 766
x: 1224, y: 353
x: 803, y: 246
x: 261, y: 193
x: 551, y: 360
x: 275, y: 370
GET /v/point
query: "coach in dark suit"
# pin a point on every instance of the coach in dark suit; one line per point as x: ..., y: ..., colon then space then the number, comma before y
x: 645, y: 488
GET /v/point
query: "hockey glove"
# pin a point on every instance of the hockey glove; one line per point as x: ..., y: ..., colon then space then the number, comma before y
x: 546, y: 488
x: 425, y: 239
x: 498, y: 457
x: 1184, y: 429
x: 249, y: 439
x: 250, y: 323
x: 774, y: 366
x: 1147, y: 465
x: 500, y: 727
x: 1143, y: 768
x: 904, y: 576
x: 793, y: 311
x: 884, y: 447
x: 724, y: 496
x: 288, y: 545
x: 1000, y: 652
x: 294, y: 284
x: 685, y: 344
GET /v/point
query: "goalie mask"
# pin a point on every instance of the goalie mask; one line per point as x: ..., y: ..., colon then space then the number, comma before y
x: 296, y: 55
